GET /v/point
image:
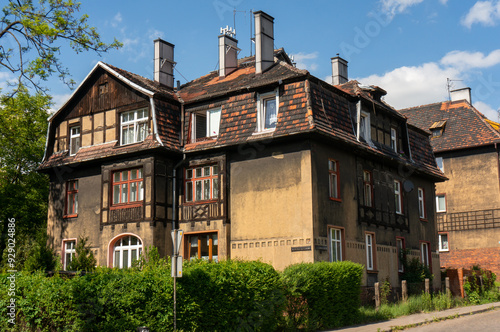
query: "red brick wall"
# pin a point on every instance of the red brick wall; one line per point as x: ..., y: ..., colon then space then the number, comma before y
x: 486, y: 258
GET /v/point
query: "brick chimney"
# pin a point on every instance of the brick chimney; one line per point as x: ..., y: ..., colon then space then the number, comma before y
x: 339, y: 71
x: 228, y: 52
x: 461, y: 94
x: 164, y: 63
x: 264, y: 41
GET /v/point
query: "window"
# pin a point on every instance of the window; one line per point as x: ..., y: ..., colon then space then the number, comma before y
x: 205, y: 124
x: 126, y: 250
x: 398, y: 197
x: 336, y: 244
x: 202, y: 246
x: 368, y: 188
x: 400, y: 246
x: 441, y: 203
x: 437, y: 128
x: 134, y: 126
x: 421, y: 203
x: 334, y: 179
x: 69, y: 248
x: 103, y: 88
x: 439, y: 162
x: 72, y: 198
x: 443, y: 242
x: 202, y: 183
x: 128, y: 186
x: 364, y: 129
x: 394, y: 140
x: 425, y: 253
x: 267, y: 111
x: 370, y: 251
x: 74, y: 140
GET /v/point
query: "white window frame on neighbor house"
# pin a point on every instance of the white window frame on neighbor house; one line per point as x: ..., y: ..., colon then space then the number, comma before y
x: 68, y: 251
x: 442, y: 198
x: 74, y: 140
x: 262, y: 100
x: 123, y: 250
x: 137, y: 126
x: 398, y: 197
x: 336, y: 235
x: 394, y: 139
x: 210, y: 121
x: 439, y: 163
x: 421, y: 203
x: 444, y: 242
x: 370, y: 251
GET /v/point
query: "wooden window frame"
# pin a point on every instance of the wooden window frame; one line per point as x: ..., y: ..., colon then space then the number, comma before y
x: 437, y: 203
x: 191, y: 179
x: 136, y: 123
x: 401, y: 268
x: 440, y: 247
x: 139, y: 191
x: 187, y: 244
x: 368, y: 188
x: 373, y: 251
x: 334, y: 178
x: 75, y: 140
x: 71, y: 200
x: 341, y: 232
x: 421, y: 204
x: 426, y: 244
x: 64, y: 251
x: 398, y: 197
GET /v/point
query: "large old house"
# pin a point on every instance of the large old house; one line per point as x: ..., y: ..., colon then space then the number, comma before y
x: 466, y: 145
x: 258, y: 160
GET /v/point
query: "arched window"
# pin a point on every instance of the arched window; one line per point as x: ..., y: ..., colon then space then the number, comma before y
x: 126, y: 250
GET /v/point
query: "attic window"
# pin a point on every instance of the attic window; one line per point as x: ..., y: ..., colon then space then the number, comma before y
x: 437, y: 128
x: 205, y: 124
x: 103, y: 88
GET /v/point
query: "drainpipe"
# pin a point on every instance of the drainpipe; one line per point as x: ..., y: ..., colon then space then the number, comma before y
x: 498, y: 163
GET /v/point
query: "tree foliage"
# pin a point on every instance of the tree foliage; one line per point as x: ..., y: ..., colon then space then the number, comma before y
x: 33, y: 32
x: 84, y: 259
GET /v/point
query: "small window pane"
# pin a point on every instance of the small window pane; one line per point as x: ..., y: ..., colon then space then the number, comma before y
x: 125, y: 176
x: 215, y: 169
x: 206, y: 171
x: 189, y: 191
x: 117, y: 259
x: 124, y: 193
x: 133, y: 174
x: 198, y: 191
x: 215, y: 188
x: 133, y: 191
x: 198, y: 172
x: 189, y: 174
x: 206, y: 189
x: 270, y: 113
x: 116, y: 177
x: 116, y: 194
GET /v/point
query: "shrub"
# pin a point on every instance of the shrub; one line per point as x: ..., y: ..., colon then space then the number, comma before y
x: 84, y: 259
x: 322, y: 295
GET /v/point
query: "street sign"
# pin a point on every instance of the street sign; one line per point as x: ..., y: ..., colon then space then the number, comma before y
x: 179, y: 267
x: 177, y: 240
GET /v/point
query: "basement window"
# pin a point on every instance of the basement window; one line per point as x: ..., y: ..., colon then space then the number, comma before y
x: 205, y: 124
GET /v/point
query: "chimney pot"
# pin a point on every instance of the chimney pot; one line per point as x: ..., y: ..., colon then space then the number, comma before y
x: 264, y: 41
x: 164, y: 63
x: 339, y: 70
x: 461, y: 94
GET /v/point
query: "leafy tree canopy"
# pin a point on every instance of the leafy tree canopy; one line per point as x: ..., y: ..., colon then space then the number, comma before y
x: 32, y: 33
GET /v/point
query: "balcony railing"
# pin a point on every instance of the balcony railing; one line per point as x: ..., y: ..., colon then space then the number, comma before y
x: 469, y: 220
x: 207, y: 211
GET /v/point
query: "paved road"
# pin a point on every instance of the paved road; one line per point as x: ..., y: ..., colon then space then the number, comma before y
x: 488, y: 321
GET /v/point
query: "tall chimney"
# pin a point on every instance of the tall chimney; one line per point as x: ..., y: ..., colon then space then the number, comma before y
x: 164, y: 63
x: 460, y: 94
x: 264, y: 41
x: 339, y: 71
x: 228, y: 52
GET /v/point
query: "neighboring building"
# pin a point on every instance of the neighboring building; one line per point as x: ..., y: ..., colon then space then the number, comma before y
x: 465, y: 144
x: 269, y: 163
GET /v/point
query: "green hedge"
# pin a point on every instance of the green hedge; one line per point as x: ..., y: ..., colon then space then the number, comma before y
x: 224, y: 296
x: 322, y: 295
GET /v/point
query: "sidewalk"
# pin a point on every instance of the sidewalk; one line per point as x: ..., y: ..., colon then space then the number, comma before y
x: 418, y: 319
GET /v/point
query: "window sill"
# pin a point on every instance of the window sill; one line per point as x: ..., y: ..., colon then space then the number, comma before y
x: 128, y: 144
x: 126, y: 205
x: 372, y: 271
x: 441, y: 211
x: 444, y: 250
x: 265, y: 131
x: 424, y: 219
x: 68, y: 216
x: 335, y: 199
x: 201, y: 202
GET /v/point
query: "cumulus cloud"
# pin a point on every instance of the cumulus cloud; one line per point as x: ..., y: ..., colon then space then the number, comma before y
x: 468, y: 60
x: 483, y: 12
x: 487, y: 110
x: 58, y: 101
x: 306, y: 60
x: 393, y: 7
x: 443, y: 2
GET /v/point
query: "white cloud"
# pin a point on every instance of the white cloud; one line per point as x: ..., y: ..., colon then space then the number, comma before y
x: 116, y: 20
x: 483, y: 12
x: 393, y: 7
x: 469, y: 60
x: 58, y: 101
x: 306, y: 60
x: 6, y: 78
x: 443, y: 2
x: 487, y: 110
x: 154, y: 34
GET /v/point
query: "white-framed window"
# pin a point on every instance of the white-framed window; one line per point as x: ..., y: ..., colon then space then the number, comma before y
x: 400, y: 245
x: 441, y: 203
x: 202, y: 183
x: 439, y: 162
x: 74, y: 140
x: 69, y: 247
x: 364, y: 128
x: 334, y: 179
x: 370, y: 251
x: 398, y: 197
x: 126, y: 250
x: 443, y: 242
x: 267, y: 111
x: 133, y: 126
x: 368, y: 188
x: 421, y: 203
x: 335, y: 244
x: 425, y: 253
x: 394, y: 140
x: 205, y: 124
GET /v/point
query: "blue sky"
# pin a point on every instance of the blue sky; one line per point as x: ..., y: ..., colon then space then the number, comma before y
x: 407, y: 47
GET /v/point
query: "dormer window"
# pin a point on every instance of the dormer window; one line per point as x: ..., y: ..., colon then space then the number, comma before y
x: 267, y: 111
x: 364, y: 131
x: 394, y: 140
x: 437, y: 128
x: 74, y: 140
x: 205, y: 124
x: 134, y: 126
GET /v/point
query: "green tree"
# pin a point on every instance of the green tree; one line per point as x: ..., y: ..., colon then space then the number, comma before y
x: 84, y: 259
x: 23, y: 191
x: 33, y: 32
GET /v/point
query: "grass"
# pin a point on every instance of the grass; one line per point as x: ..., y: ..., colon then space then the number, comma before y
x: 419, y: 304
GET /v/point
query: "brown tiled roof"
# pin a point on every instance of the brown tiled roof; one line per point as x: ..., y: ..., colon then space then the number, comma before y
x: 465, y: 127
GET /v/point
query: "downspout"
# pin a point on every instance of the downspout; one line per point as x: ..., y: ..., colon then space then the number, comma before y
x: 498, y: 163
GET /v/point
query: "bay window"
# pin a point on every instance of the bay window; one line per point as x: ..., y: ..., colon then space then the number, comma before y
x: 128, y: 186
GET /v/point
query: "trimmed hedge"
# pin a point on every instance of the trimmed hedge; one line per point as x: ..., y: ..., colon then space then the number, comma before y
x: 224, y: 296
x: 322, y: 295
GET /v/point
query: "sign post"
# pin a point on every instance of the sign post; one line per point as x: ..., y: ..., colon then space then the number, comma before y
x: 176, y: 267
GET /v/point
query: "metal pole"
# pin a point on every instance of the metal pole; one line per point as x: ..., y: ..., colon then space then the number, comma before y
x: 175, y: 284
